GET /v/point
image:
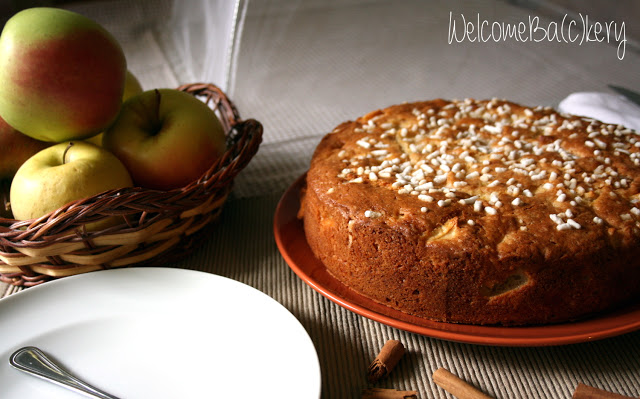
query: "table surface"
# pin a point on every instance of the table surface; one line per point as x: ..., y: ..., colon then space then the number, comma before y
x: 303, y: 67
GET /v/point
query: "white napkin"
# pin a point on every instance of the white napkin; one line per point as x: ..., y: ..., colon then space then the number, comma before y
x: 606, y: 107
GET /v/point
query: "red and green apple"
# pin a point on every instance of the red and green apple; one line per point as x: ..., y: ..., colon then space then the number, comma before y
x: 166, y: 138
x: 132, y: 87
x: 62, y: 75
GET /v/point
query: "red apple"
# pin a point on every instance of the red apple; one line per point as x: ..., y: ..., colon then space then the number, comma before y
x: 132, y: 87
x: 166, y: 138
x: 62, y: 75
x: 16, y: 149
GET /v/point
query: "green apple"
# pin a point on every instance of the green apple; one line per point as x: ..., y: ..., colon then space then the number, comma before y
x: 132, y: 87
x: 166, y: 138
x: 63, y: 173
x: 16, y: 149
x: 62, y: 75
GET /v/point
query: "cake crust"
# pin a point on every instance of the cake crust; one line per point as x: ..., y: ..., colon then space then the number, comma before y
x: 478, y: 212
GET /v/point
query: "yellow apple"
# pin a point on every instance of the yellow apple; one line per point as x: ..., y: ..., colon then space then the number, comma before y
x: 132, y: 87
x: 64, y: 173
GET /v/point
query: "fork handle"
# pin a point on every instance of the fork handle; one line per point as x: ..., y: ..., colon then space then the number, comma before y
x: 33, y: 361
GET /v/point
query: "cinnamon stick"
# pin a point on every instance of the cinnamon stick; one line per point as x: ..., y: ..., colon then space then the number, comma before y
x: 386, y: 360
x: 456, y: 386
x: 586, y: 392
x: 382, y: 393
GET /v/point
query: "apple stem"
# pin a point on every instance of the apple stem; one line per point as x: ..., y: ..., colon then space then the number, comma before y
x: 64, y: 154
x: 158, y: 95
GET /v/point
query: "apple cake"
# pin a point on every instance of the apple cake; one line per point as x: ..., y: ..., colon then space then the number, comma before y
x: 479, y: 212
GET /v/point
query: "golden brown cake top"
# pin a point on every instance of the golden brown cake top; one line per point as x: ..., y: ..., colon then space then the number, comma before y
x: 519, y: 171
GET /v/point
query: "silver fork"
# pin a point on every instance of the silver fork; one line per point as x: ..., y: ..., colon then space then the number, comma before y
x: 33, y: 361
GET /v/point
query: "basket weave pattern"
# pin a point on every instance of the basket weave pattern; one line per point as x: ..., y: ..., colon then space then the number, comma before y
x: 157, y: 226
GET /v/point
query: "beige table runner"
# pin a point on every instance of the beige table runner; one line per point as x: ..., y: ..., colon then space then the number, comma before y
x: 305, y: 66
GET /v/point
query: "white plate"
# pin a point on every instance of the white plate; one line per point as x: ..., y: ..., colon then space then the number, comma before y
x: 159, y: 333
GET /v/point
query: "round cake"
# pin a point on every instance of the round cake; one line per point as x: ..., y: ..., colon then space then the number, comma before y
x: 479, y: 212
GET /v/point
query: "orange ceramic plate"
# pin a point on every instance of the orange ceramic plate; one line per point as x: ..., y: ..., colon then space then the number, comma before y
x: 293, y: 246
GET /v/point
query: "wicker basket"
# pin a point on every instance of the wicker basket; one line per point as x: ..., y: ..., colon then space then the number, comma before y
x: 157, y: 227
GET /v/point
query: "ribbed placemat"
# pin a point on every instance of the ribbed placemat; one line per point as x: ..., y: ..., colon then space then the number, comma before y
x: 346, y: 343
